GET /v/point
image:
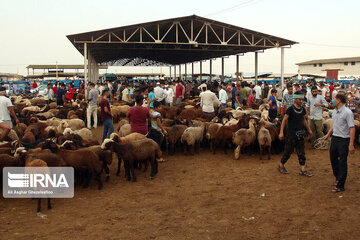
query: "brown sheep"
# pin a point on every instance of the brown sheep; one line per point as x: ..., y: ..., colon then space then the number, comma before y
x: 174, y: 135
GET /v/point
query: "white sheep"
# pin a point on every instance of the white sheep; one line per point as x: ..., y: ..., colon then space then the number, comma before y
x: 125, y: 130
x: 264, y: 139
x: 193, y: 136
x: 244, y: 137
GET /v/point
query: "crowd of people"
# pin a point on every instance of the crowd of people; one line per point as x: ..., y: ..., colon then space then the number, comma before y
x: 300, y: 106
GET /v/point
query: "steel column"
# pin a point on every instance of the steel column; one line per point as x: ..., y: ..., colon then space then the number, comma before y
x: 185, y: 70
x: 237, y: 68
x: 222, y: 69
x: 85, y: 64
x: 180, y: 71
x: 192, y: 70
x: 256, y: 67
x: 200, y: 70
x: 210, y: 68
x: 282, y: 68
x: 175, y: 71
x: 170, y: 71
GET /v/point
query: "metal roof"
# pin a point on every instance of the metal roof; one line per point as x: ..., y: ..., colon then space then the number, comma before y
x: 61, y: 66
x: 172, y: 41
x: 331, y: 60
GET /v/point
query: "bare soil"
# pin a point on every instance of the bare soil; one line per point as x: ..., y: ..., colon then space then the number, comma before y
x: 204, y: 196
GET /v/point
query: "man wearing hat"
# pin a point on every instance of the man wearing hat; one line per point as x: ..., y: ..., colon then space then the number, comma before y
x: 6, y: 109
x: 159, y: 93
x: 169, y: 95
x: 296, y: 132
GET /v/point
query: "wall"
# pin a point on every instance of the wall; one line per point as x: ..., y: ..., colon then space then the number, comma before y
x: 347, y: 70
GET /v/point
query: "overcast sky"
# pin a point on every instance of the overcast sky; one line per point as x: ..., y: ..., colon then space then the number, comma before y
x: 34, y: 32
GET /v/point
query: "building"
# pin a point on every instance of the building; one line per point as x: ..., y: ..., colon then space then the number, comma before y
x: 10, y: 77
x: 335, y: 68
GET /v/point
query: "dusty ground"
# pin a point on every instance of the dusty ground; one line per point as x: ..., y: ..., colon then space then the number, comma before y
x: 204, y: 196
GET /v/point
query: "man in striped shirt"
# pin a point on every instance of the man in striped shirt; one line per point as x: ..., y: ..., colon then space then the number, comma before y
x: 288, y: 99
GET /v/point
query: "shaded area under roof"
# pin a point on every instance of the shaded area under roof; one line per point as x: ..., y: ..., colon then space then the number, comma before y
x: 172, y: 41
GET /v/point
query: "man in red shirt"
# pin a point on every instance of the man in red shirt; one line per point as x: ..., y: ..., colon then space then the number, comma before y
x: 34, y: 85
x: 180, y: 91
x: 55, y: 87
x: 106, y: 115
x: 331, y: 88
x: 138, y: 116
x: 71, y: 92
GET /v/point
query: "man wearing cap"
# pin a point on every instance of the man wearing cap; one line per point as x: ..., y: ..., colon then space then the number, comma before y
x: 169, y: 95
x: 92, y: 106
x: 257, y: 90
x: 342, y: 141
x: 6, y: 109
x: 159, y: 93
x: 207, y: 100
x: 296, y: 131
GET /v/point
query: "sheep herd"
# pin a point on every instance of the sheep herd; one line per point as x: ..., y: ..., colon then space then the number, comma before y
x: 50, y: 136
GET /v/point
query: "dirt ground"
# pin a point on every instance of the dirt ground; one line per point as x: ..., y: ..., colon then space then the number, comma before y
x: 204, y: 196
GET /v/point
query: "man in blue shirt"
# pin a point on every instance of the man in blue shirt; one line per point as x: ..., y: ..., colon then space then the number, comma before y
x: 61, y: 95
x: 342, y: 141
x: 273, y: 105
x: 233, y: 92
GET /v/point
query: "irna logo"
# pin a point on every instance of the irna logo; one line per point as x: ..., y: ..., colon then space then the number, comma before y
x: 35, y: 180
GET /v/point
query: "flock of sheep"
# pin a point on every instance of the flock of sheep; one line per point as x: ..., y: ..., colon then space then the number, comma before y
x: 50, y: 136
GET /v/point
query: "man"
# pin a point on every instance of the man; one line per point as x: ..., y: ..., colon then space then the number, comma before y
x: 126, y: 94
x: 331, y: 88
x: 179, y: 93
x: 207, y: 100
x: 238, y: 97
x: 244, y: 94
x: 106, y: 115
x: 342, y: 141
x: 257, y: 90
x: 6, y: 109
x: 273, y: 105
x: 233, y: 92
x: 15, y: 89
x: 296, y: 122
x: 169, y: 95
x: 61, y: 92
x: 48, y: 94
x: 159, y: 93
x: 138, y: 116
x: 223, y: 97
x: 315, y: 105
x: 202, y: 85
x: 288, y: 99
x: 279, y: 93
x: 323, y: 90
x: 92, y: 106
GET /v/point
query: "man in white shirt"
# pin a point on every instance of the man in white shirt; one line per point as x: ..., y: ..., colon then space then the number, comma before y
x: 207, y: 100
x: 169, y: 95
x: 202, y: 85
x: 323, y: 90
x: 6, y: 109
x: 257, y: 90
x: 159, y: 93
x: 126, y: 94
x: 48, y: 94
x: 223, y: 97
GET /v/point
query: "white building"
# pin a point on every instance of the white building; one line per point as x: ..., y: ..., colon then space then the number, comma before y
x: 335, y: 68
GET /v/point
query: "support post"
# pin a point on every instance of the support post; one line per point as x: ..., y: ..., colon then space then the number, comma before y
x: 180, y: 71
x: 192, y: 70
x: 170, y: 71
x: 57, y: 76
x: 85, y: 64
x: 237, y: 69
x: 282, y: 68
x: 222, y: 69
x: 200, y: 70
x: 185, y: 71
x: 210, y: 69
x: 175, y: 72
x: 256, y: 68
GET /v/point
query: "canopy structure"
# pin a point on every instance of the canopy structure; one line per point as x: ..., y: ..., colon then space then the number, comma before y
x: 170, y: 42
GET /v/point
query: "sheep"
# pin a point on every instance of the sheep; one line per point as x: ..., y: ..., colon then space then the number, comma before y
x: 225, y: 133
x: 121, y: 140
x: 20, y: 129
x: 145, y: 150
x: 211, y: 130
x: 174, y: 135
x: 45, y: 115
x: 265, y: 115
x: 192, y: 137
x: 84, y: 132
x: 244, y: 137
x: 327, y: 124
x: 264, y: 139
x: 38, y: 163
x: 264, y: 107
x: 81, y: 160
x: 190, y: 113
x: 125, y: 130
x: 122, y: 123
x: 75, y: 124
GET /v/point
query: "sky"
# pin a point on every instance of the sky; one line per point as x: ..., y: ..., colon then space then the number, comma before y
x: 34, y: 32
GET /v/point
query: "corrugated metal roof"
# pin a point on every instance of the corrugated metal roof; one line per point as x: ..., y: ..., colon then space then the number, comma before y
x: 331, y: 60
